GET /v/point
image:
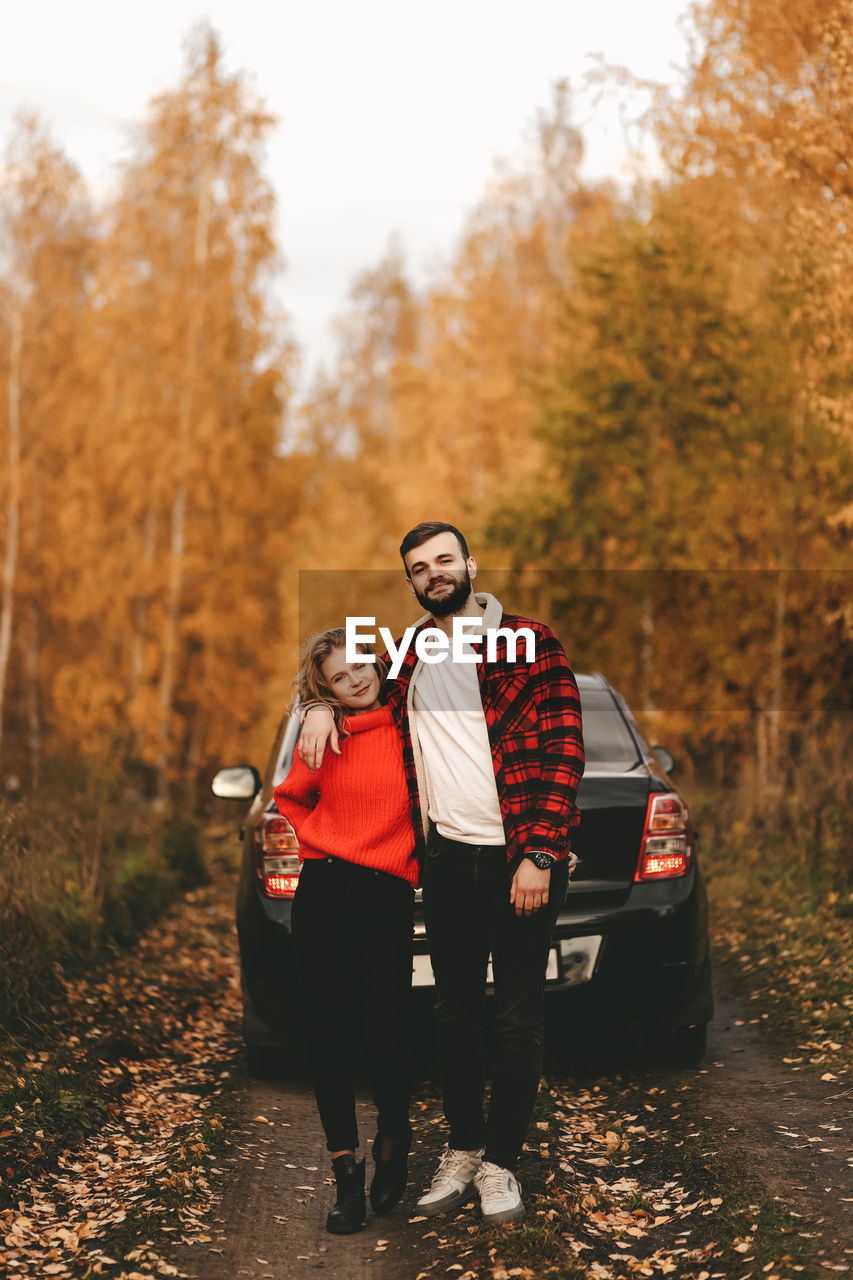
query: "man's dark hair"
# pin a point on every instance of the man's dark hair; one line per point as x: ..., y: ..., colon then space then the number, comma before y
x: 423, y: 532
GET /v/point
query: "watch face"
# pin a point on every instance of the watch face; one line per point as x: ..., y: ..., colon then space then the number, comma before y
x: 543, y: 861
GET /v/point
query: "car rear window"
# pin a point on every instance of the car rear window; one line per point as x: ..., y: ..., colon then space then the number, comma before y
x: 607, y: 739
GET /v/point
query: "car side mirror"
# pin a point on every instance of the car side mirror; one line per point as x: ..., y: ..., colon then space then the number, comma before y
x: 240, y: 783
x: 665, y: 758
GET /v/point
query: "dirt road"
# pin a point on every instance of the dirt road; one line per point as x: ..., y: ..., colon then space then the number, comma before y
x: 795, y: 1131
x: 274, y: 1210
x: 628, y: 1171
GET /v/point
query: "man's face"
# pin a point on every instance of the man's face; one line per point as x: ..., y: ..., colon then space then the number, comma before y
x: 439, y: 575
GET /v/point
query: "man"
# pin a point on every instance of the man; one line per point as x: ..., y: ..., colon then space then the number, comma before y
x: 493, y: 753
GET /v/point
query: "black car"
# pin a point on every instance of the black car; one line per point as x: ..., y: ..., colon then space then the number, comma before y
x: 631, y: 941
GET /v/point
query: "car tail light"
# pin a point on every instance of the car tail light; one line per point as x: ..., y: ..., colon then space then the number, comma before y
x: 276, y: 856
x: 666, y: 850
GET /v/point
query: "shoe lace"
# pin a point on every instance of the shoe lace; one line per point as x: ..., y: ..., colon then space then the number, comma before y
x: 447, y: 1162
x: 492, y: 1180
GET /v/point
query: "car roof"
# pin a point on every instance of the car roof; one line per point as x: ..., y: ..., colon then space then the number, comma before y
x: 596, y: 681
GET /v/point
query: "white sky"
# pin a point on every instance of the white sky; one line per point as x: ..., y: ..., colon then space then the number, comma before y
x: 391, y: 113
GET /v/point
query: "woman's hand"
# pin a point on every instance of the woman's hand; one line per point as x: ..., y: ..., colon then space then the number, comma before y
x: 318, y: 729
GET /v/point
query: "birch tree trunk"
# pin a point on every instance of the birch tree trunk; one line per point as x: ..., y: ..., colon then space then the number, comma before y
x: 32, y: 645
x: 174, y: 586
x: 768, y: 740
x: 140, y: 613
x: 13, y: 514
x: 777, y: 676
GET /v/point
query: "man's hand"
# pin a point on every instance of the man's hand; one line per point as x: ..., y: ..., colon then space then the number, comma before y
x: 318, y: 729
x: 529, y: 889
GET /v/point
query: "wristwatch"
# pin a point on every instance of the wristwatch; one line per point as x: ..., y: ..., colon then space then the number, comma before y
x: 541, y: 858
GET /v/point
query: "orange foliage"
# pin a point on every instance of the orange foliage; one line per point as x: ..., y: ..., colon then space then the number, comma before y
x: 655, y: 381
x: 153, y: 393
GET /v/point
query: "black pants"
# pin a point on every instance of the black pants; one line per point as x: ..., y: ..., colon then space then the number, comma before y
x: 352, y: 929
x: 468, y: 917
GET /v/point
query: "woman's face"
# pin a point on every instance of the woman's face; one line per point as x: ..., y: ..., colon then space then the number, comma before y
x: 354, y: 684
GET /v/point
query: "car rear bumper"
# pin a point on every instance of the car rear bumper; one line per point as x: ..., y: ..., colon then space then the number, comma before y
x: 653, y: 957
x: 650, y: 959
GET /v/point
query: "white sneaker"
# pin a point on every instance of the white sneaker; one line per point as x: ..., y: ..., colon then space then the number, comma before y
x: 453, y: 1181
x: 500, y: 1194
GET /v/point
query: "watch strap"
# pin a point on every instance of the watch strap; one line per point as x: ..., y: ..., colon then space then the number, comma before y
x: 541, y: 858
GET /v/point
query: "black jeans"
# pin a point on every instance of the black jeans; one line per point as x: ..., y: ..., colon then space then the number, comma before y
x: 468, y: 917
x: 352, y: 930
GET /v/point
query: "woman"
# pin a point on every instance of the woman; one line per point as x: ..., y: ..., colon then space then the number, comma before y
x: 352, y: 919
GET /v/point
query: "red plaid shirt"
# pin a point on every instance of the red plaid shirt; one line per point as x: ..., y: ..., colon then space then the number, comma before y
x: 533, y: 715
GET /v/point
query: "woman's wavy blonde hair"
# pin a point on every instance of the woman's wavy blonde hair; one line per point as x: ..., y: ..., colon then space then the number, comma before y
x: 310, y: 685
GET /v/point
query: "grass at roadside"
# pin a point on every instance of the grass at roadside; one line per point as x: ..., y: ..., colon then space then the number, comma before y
x: 799, y: 969
x: 115, y: 1112
x: 145, y: 1238
x: 631, y: 1179
x: 85, y: 866
x: 782, y: 923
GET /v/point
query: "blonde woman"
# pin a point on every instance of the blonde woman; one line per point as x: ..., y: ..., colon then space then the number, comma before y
x: 352, y: 919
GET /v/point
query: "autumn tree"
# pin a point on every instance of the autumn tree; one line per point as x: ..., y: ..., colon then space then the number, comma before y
x: 490, y: 319
x: 430, y: 407
x: 769, y: 107
x: 184, y: 508
x: 674, y: 440
x: 47, y: 233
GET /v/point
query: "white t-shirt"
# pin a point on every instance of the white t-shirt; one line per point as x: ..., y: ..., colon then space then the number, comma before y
x: 454, y: 741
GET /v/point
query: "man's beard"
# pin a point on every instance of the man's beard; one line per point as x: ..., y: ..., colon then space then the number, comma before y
x: 443, y: 606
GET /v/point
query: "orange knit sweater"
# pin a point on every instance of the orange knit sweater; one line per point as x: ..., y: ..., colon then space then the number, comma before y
x: 356, y: 806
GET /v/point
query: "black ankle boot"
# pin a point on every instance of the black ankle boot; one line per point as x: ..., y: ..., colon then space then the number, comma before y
x: 350, y: 1209
x: 389, y: 1180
